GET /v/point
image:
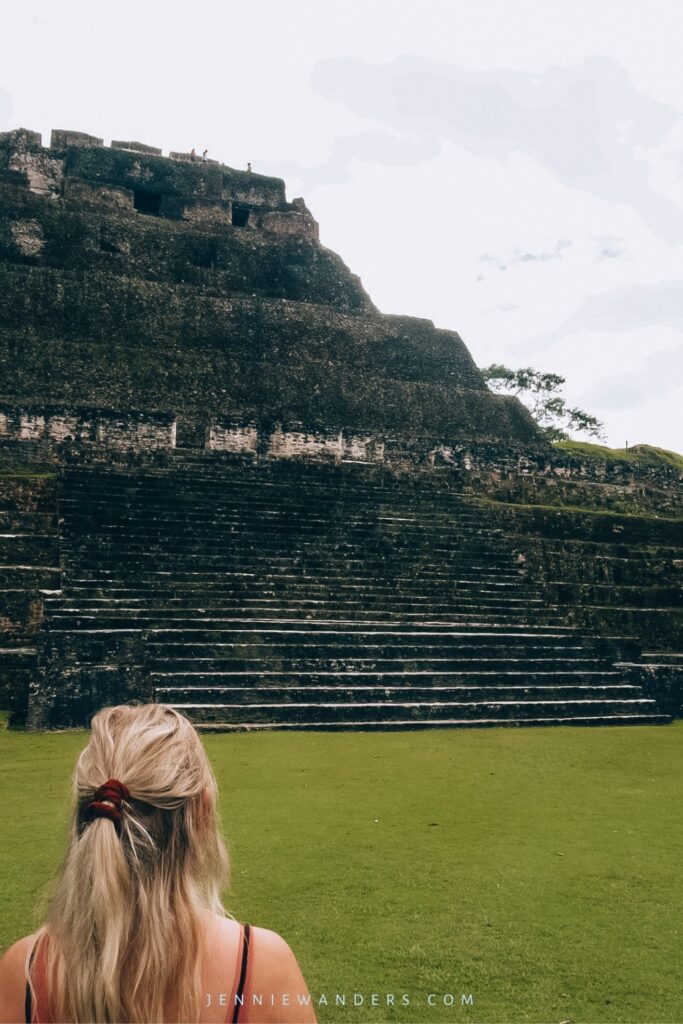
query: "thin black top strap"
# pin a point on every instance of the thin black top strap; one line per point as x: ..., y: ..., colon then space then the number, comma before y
x: 239, y: 994
x: 28, y: 1003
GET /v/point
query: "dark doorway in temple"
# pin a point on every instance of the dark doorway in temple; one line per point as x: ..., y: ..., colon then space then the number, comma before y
x: 147, y: 202
x: 240, y: 215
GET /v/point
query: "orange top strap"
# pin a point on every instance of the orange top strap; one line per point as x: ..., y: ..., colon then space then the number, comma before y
x: 38, y: 1012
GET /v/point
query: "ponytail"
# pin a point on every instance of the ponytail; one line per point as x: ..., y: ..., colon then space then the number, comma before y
x: 145, y: 864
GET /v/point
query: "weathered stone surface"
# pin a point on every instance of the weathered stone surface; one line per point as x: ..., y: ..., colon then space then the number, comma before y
x: 139, y: 248
x: 284, y: 594
x: 62, y: 138
x: 29, y: 564
x: 611, y: 574
x: 137, y: 147
x: 82, y: 194
x: 662, y: 680
x: 174, y: 328
x: 96, y: 428
x: 20, y: 137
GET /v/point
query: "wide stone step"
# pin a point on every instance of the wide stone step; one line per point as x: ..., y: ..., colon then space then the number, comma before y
x: 292, y: 505
x: 663, y: 657
x: 293, y: 629
x: 238, y: 583
x: 156, y: 526
x: 92, y: 595
x: 292, y: 479
x: 16, y: 657
x: 22, y: 520
x: 406, y: 610
x: 244, y: 536
x: 642, y: 595
x: 164, y: 513
x: 502, y: 581
x: 29, y: 577
x: 202, y: 511
x: 327, y: 555
x: 18, y: 602
x: 285, y: 695
x: 126, y: 645
x: 152, y: 530
x: 398, y: 711
x: 610, y: 553
x: 661, y: 626
x: 78, y: 619
x: 316, y: 560
x: 132, y: 574
x: 383, y: 679
x: 172, y: 556
x: 167, y: 661
x: 296, y: 596
x: 197, y: 584
x: 200, y: 515
x: 28, y: 548
x: 20, y: 512
x: 204, y: 506
x: 360, y: 725
x: 402, y: 651
x: 334, y: 599
x: 307, y: 655
x: 132, y: 578
x: 633, y: 568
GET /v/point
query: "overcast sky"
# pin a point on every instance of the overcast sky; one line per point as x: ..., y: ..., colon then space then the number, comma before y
x: 510, y: 169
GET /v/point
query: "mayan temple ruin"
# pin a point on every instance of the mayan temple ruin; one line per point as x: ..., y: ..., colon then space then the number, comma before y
x: 229, y: 483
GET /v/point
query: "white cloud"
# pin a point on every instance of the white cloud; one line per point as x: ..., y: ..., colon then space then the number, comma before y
x: 623, y: 310
x: 5, y: 110
x: 587, y: 124
x: 662, y: 374
x: 505, y: 135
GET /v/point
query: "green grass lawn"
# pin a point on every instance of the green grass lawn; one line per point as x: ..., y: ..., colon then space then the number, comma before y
x: 538, y: 870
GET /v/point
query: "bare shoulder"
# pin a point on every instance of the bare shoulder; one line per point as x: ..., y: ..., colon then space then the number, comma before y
x: 12, y: 983
x: 276, y: 979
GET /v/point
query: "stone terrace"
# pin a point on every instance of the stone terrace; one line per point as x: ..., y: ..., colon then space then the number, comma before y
x: 291, y: 595
x: 259, y: 479
x: 29, y: 565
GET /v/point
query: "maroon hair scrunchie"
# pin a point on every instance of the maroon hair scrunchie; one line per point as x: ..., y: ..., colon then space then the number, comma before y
x: 108, y: 801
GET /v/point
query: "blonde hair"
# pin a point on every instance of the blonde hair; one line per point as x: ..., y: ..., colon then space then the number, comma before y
x: 124, y: 932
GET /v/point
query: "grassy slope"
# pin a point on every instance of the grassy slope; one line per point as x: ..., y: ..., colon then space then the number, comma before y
x: 639, y: 454
x: 537, y: 869
x: 561, y: 507
x: 10, y: 469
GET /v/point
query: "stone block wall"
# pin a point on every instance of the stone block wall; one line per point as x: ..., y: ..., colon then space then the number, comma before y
x: 127, y: 281
x: 54, y: 427
x: 135, y: 167
x: 29, y: 567
x: 609, y: 573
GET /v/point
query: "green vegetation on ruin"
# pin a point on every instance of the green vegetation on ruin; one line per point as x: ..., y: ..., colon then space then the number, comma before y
x: 566, y: 507
x: 638, y: 454
x: 21, y: 470
x: 536, y: 869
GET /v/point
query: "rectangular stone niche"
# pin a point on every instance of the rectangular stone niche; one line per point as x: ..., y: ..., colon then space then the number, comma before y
x: 147, y: 202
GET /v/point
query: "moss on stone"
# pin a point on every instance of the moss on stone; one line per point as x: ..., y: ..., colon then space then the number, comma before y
x: 19, y: 470
x: 639, y: 454
x: 569, y: 509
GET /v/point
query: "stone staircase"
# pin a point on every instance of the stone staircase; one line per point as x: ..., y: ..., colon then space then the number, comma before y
x: 286, y: 595
x: 29, y: 563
